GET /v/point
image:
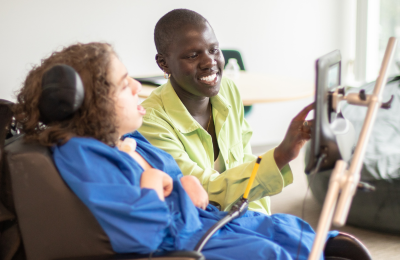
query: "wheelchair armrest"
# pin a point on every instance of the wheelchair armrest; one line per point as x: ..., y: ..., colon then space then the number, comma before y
x: 345, y: 246
x: 173, y: 255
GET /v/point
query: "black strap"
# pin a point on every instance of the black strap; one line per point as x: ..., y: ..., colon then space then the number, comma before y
x: 5, y: 121
x: 10, y: 242
x: 10, y: 238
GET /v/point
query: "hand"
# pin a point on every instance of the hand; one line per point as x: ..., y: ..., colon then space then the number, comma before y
x: 296, y: 136
x: 195, y: 190
x: 158, y: 181
x: 166, y: 184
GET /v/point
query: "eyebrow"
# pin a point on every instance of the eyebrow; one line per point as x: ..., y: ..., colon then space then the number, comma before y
x: 196, y: 48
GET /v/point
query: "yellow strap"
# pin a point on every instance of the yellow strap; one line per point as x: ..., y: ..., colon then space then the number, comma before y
x: 252, y: 177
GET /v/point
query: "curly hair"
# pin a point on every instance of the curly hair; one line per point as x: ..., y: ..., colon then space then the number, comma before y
x: 95, y: 118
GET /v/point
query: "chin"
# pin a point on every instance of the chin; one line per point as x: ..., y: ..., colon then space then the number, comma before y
x: 138, y: 124
x: 214, y: 90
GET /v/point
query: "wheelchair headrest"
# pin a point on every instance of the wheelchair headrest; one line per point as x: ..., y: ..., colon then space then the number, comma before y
x: 62, y: 94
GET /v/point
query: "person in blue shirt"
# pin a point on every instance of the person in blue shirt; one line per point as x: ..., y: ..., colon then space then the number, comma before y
x: 136, y: 191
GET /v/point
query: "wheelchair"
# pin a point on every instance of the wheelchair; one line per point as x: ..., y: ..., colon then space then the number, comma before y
x: 41, y: 218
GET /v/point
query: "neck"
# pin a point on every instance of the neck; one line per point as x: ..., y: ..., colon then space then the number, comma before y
x: 197, y: 106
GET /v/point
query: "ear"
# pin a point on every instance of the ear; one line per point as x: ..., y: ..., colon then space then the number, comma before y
x: 162, y: 63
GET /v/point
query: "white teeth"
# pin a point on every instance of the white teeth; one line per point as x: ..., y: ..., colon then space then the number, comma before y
x: 209, y: 78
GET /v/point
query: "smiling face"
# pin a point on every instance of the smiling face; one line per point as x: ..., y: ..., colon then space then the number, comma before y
x: 194, y: 61
x: 129, y: 114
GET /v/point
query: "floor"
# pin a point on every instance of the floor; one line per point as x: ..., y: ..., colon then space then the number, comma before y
x: 381, y: 245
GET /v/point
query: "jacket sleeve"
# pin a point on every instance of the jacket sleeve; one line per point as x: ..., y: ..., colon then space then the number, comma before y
x: 134, y: 219
x: 226, y: 187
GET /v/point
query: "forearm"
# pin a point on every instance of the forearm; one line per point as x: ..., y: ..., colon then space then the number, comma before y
x: 281, y: 159
x: 195, y: 190
x: 158, y: 181
x: 227, y: 187
x: 156, y: 185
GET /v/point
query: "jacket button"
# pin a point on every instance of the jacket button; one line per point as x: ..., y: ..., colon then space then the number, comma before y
x: 227, y: 161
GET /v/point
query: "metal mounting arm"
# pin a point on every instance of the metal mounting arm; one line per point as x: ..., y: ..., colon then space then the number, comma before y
x: 345, y: 181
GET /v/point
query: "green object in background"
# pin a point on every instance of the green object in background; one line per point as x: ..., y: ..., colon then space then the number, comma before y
x: 247, y: 110
x: 228, y: 54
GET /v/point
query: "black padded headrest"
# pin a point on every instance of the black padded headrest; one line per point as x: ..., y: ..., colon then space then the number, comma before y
x: 62, y: 94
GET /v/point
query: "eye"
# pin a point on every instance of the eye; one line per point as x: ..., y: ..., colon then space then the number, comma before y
x: 214, y: 50
x: 192, y: 56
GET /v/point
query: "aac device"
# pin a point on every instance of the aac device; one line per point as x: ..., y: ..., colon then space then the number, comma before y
x: 332, y: 135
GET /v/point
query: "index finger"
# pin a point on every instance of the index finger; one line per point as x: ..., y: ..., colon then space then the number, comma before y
x: 304, y: 112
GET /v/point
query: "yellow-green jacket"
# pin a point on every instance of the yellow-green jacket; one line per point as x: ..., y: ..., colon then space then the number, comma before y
x: 169, y: 126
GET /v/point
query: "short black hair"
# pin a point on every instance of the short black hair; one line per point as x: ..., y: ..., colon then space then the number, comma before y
x: 171, y: 23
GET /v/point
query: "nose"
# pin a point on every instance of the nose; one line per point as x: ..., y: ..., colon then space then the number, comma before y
x: 208, y: 62
x: 136, y: 86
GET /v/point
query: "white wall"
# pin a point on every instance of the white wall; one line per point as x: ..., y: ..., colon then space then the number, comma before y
x: 274, y: 36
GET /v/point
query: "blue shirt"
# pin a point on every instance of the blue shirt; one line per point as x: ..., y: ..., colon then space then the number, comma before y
x: 136, y: 220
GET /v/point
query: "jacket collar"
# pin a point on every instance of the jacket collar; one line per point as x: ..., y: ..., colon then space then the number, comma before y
x: 177, y: 112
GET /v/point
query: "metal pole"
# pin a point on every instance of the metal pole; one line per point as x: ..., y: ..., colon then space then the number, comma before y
x: 353, y: 175
x: 327, y: 210
x: 347, y: 181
